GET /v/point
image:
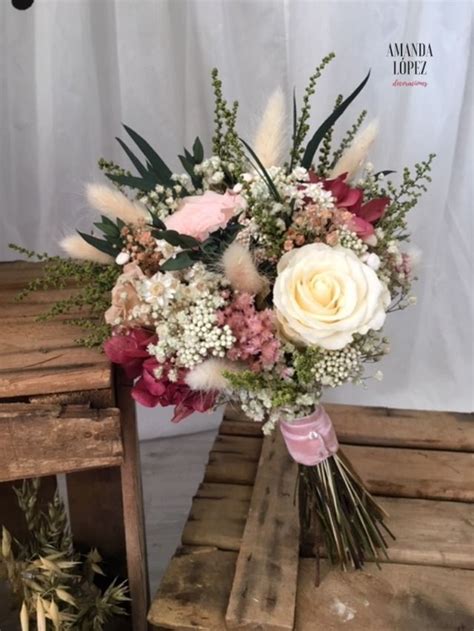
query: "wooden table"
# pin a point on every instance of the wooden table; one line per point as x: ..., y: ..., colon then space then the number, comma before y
x: 239, y: 566
x: 63, y: 410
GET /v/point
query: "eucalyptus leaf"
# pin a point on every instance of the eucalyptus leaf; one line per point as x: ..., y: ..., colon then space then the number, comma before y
x: 141, y: 184
x: 141, y: 168
x: 156, y: 221
x: 180, y: 261
x: 159, y: 167
x: 315, y: 141
x: 177, y: 239
x: 198, y: 151
x: 99, y: 244
x: 108, y: 230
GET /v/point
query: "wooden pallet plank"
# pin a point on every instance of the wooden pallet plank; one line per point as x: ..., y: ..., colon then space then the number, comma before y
x: 383, y: 426
x: 218, y: 515
x: 264, y: 588
x: 414, y: 472
x: 240, y: 428
x: 197, y: 584
x: 237, y: 445
x: 233, y: 460
x: 57, y: 359
x: 428, y: 532
x: 396, y: 598
x: 194, y: 591
x: 404, y: 428
x: 68, y: 438
x: 81, y: 377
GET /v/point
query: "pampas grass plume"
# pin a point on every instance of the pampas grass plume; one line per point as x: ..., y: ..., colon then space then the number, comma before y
x: 114, y: 203
x: 354, y: 156
x: 77, y: 248
x: 209, y: 375
x: 240, y: 270
x: 269, y: 143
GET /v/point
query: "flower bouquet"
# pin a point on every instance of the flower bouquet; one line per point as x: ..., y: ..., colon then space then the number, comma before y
x: 260, y: 276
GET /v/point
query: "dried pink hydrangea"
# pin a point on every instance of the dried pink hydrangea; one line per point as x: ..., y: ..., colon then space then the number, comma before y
x: 254, y: 331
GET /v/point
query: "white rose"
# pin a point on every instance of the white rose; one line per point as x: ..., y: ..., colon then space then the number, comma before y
x: 324, y: 295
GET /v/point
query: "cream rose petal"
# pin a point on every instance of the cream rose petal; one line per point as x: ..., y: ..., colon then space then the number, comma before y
x: 324, y: 295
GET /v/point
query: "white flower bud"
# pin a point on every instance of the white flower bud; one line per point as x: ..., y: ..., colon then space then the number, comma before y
x: 122, y: 258
x: 372, y: 260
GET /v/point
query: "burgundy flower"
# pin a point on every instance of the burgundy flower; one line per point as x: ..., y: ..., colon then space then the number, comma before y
x: 365, y: 215
x: 151, y: 391
x: 130, y: 350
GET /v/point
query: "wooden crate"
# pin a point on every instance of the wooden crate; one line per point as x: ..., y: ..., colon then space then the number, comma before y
x: 63, y: 410
x: 239, y: 567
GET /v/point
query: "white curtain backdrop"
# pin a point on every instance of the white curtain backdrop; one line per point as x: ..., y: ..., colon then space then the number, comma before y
x: 72, y: 70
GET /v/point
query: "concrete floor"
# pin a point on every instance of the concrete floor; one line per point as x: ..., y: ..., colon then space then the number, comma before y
x: 172, y: 470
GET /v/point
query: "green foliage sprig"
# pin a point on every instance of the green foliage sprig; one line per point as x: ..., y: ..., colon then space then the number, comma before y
x: 225, y: 141
x: 92, y: 297
x: 324, y: 159
x: 403, y: 199
x: 53, y: 584
x: 348, y: 138
x: 301, y: 124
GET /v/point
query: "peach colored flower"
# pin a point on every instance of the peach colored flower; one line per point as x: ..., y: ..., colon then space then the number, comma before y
x: 125, y: 298
x: 199, y: 215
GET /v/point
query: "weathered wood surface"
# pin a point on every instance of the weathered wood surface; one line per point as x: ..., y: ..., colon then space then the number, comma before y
x: 428, y: 532
x: 264, y: 588
x: 415, y: 472
x: 132, y: 500
x: 195, y: 591
x: 218, y: 515
x: 196, y: 588
x: 427, y: 583
x: 381, y: 426
x: 38, y: 357
x: 396, y: 598
x: 234, y: 459
x: 386, y: 471
x: 38, y: 440
x: 403, y: 428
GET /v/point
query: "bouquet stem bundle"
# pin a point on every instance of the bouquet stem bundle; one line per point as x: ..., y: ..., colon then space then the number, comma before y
x: 334, y: 501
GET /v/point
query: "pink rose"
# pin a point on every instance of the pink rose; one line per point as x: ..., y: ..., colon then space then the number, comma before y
x: 199, y: 215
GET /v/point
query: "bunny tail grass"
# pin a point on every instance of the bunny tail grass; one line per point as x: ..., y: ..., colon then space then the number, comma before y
x: 77, y: 248
x: 270, y: 139
x: 240, y: 270
x: 355, y: 155
x: 114, y: 203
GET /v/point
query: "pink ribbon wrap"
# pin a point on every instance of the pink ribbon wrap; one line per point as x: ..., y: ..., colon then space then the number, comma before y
x: 311, y: 439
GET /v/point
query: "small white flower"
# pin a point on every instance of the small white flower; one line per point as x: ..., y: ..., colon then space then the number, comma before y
x: 122, y: 258
x: 372, y: 260
x: 378, y: 375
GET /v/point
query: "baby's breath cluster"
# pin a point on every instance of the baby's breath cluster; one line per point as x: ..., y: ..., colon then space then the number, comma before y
x: 190, y: 335
x: 349, y: 240
x: 164, y: 200
x: 328, y: 368
x: 183, y: 309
